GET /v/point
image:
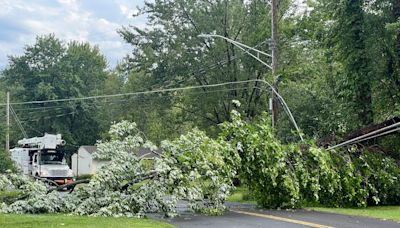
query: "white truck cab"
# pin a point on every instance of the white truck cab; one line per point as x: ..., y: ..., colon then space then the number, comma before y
x: 43, y: 157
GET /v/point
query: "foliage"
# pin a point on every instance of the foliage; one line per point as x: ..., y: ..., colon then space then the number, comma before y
x: 50, y: 69
x: 294, y: 175
x: 200, y: 170
x: 193, y: 168
x: 34, y: 197
x: 170, y: 54
x: 6, y: 164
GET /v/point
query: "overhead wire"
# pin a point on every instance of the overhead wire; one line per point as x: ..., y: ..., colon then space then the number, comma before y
x: 200, y: 71
x: 18, y: 122
x: 33, y: 129
x: 45, y: 111
x: 136, y: 98
x: 48, y: 117
x: 363, y: 137
x: 39, y: 108
x: 134, y: 93
x: 222, y: 62
x: 171, y: 90
x: 378, y: 135
x: 51, y: 108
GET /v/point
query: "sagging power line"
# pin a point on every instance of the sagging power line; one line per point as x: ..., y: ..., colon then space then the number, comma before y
x: 107, y: 102
x: 18, y: 122
x: 374, y: 134
x: 137, y: 93
x: 280, y: 98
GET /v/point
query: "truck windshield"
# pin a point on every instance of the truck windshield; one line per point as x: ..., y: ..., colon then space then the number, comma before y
x: 52, y: 158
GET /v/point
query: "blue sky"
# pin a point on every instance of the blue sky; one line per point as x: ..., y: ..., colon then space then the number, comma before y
x: 95, y: 21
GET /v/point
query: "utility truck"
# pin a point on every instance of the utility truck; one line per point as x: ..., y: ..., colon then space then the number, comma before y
x: 43, y: 157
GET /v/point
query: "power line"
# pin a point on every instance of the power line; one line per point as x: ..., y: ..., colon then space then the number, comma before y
x: 40, y: 108
x: 18, y: 122
x: 46, y: 111
x: 143, y: 99
x: 27, y: 125
x: 379, y: 135
x: 363, y: 137
x: 129, y: 99
x: 48, y: 117
x: 222, y: 62
x: 172, y: 90
x: 135, y: 93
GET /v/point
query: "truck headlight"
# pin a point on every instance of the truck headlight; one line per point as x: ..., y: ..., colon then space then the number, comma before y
x: 70, y: 173
x: 44, y: 173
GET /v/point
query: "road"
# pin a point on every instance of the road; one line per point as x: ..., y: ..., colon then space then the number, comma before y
x: 253, y: 218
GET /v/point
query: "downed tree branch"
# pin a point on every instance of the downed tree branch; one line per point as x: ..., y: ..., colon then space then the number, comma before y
x: 138, y: 179
x: 73, y: 184
x: 44, y: 180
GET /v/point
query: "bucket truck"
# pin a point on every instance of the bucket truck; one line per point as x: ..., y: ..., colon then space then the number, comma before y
x: 42, y: 157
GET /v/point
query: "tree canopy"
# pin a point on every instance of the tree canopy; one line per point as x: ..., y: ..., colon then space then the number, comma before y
x: 51, y: 69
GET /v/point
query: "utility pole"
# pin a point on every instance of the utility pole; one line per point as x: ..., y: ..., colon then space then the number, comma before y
x: 8, y: 123
x: 274, y: 26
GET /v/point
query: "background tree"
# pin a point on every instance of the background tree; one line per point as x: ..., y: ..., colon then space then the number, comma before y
x: 169, y: 53
x: 51, y: 69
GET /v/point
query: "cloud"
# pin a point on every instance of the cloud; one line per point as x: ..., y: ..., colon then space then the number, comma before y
x: 95, y: 21
x: 128, y: 12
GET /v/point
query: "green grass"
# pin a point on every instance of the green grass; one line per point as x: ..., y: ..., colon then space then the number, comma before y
x: 380, y: 212
x: 48, y: 221
x: 241, y: 195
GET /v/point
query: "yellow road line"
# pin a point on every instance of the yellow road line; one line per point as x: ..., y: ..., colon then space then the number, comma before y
x: 310, y: 224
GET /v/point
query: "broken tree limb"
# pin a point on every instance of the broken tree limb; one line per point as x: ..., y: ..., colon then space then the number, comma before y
x: 73, y: 184
x: 44, y: 180
x: 370, y: 128
x: 139, y: 179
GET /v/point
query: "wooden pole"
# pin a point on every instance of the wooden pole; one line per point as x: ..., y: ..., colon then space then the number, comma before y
x: 274, y: 26
x: 8, y: 123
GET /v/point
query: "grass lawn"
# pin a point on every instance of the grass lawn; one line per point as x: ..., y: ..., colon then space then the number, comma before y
x: 380, y: 212
x: 240, y: 195
x: 48, y: 221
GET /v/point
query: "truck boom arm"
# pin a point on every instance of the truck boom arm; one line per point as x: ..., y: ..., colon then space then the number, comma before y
x: 48, y: 141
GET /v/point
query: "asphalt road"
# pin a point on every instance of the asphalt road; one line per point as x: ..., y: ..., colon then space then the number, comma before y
x: 252, y: 218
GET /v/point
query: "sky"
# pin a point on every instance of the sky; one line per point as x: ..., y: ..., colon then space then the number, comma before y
x: 94, y: 21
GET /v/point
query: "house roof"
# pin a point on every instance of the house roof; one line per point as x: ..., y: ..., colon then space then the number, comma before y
x: 89, y: 149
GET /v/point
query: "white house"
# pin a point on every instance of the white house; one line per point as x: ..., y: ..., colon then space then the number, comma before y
x: 83, y: 163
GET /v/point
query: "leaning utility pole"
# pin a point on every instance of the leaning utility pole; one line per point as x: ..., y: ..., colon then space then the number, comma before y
x: 274, y: 26
x: 8, y: 123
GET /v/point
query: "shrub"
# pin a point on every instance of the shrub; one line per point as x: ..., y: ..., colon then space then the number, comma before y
x: 6, y: 163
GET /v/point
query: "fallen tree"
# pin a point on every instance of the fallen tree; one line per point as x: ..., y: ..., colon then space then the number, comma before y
x: 194, y: 168
x: 200, y: 170
x: 296, y: 175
